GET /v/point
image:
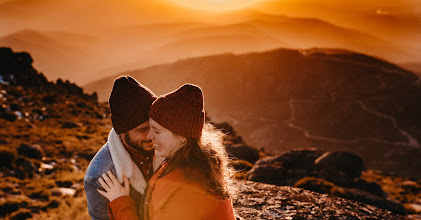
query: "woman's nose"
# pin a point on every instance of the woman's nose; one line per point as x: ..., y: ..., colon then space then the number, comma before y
x: 149, y: 136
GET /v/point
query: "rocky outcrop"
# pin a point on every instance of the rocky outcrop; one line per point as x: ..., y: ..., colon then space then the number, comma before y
x: 336, y: 173
x: 16, y: 69
x: 263, y: 201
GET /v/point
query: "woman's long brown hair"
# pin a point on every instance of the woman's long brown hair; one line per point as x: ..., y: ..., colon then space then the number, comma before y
x: 205, y: 161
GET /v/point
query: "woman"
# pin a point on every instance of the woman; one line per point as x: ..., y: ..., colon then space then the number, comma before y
x: 192, y: 182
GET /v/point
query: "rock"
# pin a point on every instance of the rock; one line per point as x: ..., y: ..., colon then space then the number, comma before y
x: 64, y: 183
x: 21, y: 215
x: 268, y: 173
x: 257, y: 201
x: 87, y: 154
x: 15, y: 107
x: 243, y: 152
x: 41, y: 195
x: 53, y: 204
x: 67, y: 191
x: 285, y: 169
x: 9, y: 116
x: 25, y: 168
x: 8, y: 207
x: 297, y: 159
x: 31, y: 151
x: 370, y: 187
x: 316, y: 185
x: 7, y: 158
x: 371, y: 199
x: 340, y: 168
x: 70, y: 125
x: 50, y: 99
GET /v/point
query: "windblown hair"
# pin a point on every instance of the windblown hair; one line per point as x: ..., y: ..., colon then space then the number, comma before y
x: 205, y: 161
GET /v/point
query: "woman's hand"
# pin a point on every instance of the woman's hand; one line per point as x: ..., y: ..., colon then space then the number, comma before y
x: 113, y: 189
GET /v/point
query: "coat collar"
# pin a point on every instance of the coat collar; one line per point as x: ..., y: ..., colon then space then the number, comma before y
x: 125, y: 166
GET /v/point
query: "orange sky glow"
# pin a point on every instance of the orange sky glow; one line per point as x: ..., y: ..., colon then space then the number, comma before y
x: 215, y: 5
x: 86, y: 35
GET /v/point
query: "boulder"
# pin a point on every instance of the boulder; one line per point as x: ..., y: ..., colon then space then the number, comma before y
x: 341, y: 168
x: 370, y: 187
x: 243, y: 152
x: 31, y: 151
x: 268, y: 173
x: 295, y: 159
x: 25, y: 168
x: 285, y: 169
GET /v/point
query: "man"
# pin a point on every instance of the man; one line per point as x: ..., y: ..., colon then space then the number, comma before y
x: 127, y: 152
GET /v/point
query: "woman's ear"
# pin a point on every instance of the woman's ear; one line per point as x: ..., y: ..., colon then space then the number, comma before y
x: 183, y: 139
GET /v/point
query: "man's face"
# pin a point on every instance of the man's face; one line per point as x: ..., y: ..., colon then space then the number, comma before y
x: 137, y: 137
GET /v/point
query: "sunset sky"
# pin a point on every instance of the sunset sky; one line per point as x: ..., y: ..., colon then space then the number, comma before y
x: 78, y: 31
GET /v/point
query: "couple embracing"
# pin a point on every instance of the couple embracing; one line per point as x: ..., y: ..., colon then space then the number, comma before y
x: 161, y: 160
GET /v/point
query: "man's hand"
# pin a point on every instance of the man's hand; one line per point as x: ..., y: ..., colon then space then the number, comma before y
x: 113, y: 189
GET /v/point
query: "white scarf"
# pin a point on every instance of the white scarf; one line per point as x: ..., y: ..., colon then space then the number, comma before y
x: 124, y: 165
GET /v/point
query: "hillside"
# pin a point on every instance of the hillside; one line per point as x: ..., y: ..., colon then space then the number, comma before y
x: 51, y: 130
x: 285, y: 99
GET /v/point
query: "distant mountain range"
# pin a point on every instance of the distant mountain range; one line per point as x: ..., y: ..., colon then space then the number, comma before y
x: 286, y: 99
x: 412, y: 66
x: 83, y: 56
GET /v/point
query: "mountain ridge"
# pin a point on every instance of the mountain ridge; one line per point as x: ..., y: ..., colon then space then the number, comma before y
x: 283, y: 99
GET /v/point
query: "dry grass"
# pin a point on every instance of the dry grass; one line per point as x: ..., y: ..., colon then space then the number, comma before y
x: 405, y: 190
x: 69, y: 208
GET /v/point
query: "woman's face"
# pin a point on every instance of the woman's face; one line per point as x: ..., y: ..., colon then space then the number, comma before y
x: 165, y: 142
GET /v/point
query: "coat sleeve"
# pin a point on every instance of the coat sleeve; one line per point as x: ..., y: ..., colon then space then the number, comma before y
x: 97, y: 204
x: 122, y: 208
x: 189, y: 203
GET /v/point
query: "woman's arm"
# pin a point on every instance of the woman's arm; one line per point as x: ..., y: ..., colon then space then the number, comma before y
x: 121, y: 206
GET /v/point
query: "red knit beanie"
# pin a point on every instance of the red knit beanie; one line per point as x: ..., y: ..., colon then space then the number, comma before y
x: 181, y: 111
x: 129, y: 102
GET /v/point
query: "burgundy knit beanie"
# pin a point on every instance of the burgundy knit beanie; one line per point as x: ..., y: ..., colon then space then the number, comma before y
x: 181, y: 111
x: 129, y: 102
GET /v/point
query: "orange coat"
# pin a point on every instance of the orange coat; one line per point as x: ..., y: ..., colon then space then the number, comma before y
x: 175, y: 197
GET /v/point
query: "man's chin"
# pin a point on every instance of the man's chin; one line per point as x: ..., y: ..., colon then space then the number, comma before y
x: 148, y: 147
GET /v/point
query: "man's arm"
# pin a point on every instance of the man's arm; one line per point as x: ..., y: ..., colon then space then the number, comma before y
x: 97, y: 204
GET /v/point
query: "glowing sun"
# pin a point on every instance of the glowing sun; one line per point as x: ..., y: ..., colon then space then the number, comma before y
x: 215, y: 5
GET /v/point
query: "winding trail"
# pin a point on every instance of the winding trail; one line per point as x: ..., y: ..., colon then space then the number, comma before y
x: 412, y: 142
